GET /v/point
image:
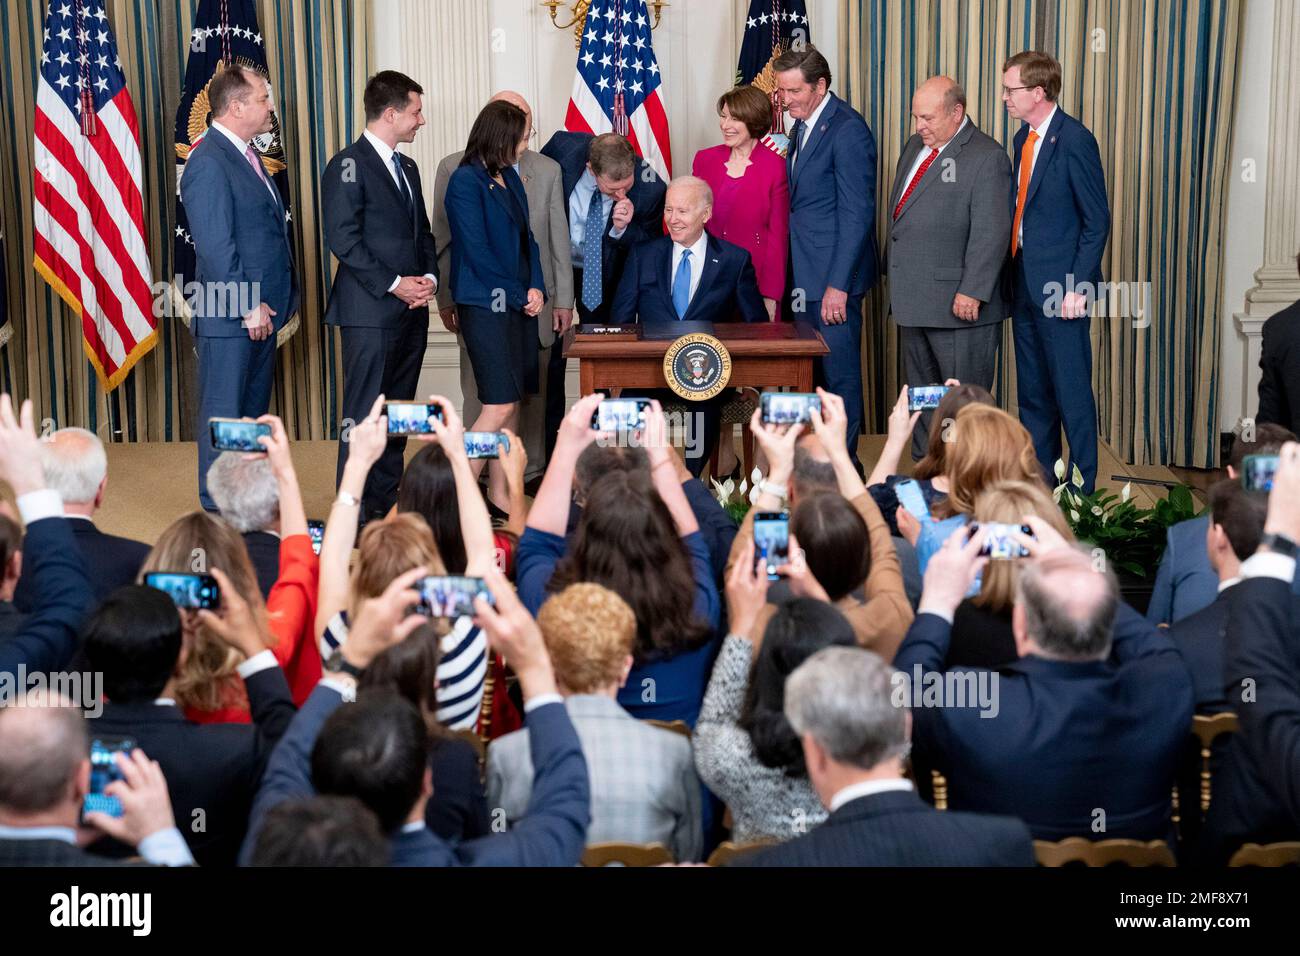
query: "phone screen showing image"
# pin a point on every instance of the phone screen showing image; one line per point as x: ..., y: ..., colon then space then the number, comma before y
x: 486, y: 444
x: 1257, y: 472
x: 450, y: 596
x: 233, y: 435
x: 412, y: 418
x: 104, y: 771
x: 771, y: 541
x: 189, y: 591
x: 925, y: 397
x: 1000, y: 545
x: 620, y: 414
x: 788, y: 408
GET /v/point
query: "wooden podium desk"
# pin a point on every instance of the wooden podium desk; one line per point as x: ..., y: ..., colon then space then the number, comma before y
x: 763, y: 355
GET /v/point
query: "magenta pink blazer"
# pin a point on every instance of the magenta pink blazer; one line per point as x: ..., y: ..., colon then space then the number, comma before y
x: 753, y: 211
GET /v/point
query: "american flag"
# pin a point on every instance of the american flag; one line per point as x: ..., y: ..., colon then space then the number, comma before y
x: 617, y: 84
x: 88, y: 211
x: 771, y: 28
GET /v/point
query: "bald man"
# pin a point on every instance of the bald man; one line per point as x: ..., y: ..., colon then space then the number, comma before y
x: 689, y: 276
x: 947, y: 244
x: 77, y: 468
x: 544, y: 185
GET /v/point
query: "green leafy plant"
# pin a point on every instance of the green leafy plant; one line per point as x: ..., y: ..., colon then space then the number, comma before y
x: 1132, y: 538
x: 736, y: 501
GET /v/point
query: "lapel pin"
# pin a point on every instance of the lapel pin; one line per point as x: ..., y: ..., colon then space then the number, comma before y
x: 1052, y: 140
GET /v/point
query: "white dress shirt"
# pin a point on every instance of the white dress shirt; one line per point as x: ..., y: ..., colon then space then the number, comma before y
x: 386, y: 153
x: 698, y: 250
x: 866, y: 788
x: 925, y: 151
x: 1041, y: 130
x: 584, y: 191
x: 809, y: 124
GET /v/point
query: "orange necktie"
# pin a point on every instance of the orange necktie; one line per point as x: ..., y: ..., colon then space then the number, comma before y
x: 1026, y: 172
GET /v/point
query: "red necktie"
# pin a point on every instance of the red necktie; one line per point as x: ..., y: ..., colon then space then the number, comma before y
x: 920, y: 172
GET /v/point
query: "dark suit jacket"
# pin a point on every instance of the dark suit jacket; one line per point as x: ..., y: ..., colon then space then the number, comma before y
x: 16, y: 853
x: 212, y: 768
x: 1279, y: 363
x: 896, y: 828
x: 264, y: 553
x: 111, y: 562
x: 728, y: 288
x: 61, y: 596
x: 1200, y: 638
x: 647, y: 196
x: 1067, y: 738
x: 241, y: 236
x: 375, y: 239
x: 485, y: 250
x: 458, y: 810
x: 1257, y: 793
x: 833, y: 205
x: 552, y: 834
x: 1067, y: 215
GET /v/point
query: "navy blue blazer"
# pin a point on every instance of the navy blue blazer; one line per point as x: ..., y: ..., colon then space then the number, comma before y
x: 728, y: 286
x: 111, y: 563
x: 647, y: 196
x: 1185, y: 582
x: 363, y: 215
x: 61, y: 599
x: 1067, y: 737
x: 1257, y: 790
x: 896, y: 828
x: 241, y: 236
x: 1200, y: 638
x: 833, y: 205
x: 553, y: 833
x: 484, y: 223
x: 214, y: 768
x: 1067, y: 215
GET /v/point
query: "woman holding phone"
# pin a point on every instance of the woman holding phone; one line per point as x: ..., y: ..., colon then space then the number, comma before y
x: 496, y: 273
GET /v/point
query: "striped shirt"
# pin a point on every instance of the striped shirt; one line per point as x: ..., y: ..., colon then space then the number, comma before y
x: 462, y: 667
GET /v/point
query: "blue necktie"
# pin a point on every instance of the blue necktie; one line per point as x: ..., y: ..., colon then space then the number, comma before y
x: 404, y: 189
x: 592, y: 247
x: 682, y: 285
x: 796, y: 138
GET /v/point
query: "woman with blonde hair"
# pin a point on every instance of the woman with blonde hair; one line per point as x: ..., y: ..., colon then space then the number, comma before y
x: 208, y: 686
x: 397, y: 544
x: 985, y: 446
x: 981, y: 627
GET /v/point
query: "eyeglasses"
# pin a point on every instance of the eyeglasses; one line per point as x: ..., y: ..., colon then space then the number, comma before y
x: 1008, y: 90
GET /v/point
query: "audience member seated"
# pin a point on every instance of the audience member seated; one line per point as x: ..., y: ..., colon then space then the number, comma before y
x: 212, y: 771
x: 44, y: 779
x: 840, y: 548
x: 47, y: 639
x: 986, y: 445
x: 77, y: 468
x: 928, y: 472
x: 247, y: 496
x: 1185, y: 581
x: 1081, y: 736
x: 458, y: 810
x: 321, y: 831
x: 745, y: 749
x: 643, y: 783
x: 377, y: 748
x: 398, y: 543
x: 1233, y: 531
x: 639, y: 537
x: 1256, y: 798
x: 854, y: 738
x: 11, y: 567
x: 982, y: 635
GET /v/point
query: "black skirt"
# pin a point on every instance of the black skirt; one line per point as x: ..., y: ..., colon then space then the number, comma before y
x: 502, y: 349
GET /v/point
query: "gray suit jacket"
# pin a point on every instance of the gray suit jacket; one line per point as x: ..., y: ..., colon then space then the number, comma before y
x: 643, y: 783
x: 953, y: 235
x: 550, y: 224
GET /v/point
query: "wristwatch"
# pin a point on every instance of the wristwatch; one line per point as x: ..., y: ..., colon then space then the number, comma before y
x: 766, y: 487
x: 1279, y: 544
x: 336, y: 664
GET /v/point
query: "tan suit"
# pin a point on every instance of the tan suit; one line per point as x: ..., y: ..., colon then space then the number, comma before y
x: 550, y: 225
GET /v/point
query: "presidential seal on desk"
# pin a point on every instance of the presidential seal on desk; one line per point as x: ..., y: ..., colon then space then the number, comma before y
x: 697, y: 367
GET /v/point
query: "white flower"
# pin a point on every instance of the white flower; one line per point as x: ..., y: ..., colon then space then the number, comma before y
x: 1096, y: 509
x: 1076, y: 476
x: 754, y: 494
x: 744, y: 486
x: 755, y: 476
x: 1126, y: 491
x: 1074, y: 515
x: 1059, y: 469
x: 728, y: 488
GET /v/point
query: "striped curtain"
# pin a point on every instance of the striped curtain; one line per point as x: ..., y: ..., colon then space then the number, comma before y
x: 318, y: 54
x: 1155, y: 81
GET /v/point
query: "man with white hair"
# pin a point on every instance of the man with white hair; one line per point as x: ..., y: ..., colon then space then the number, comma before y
x: 248, y: 496
x: 77, y: 468
x: 855, y: 735
x: 689, y: 276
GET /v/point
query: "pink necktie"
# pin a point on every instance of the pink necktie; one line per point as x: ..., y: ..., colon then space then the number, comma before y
x: 256, y: 163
